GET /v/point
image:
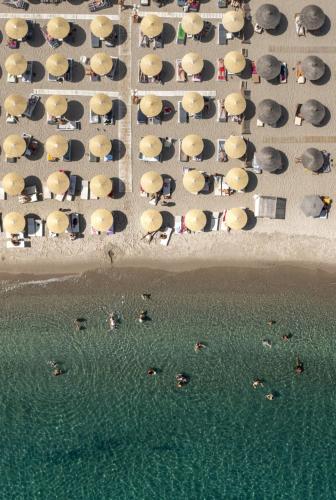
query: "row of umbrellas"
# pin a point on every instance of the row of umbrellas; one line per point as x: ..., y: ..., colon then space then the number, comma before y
x: 269, y: 111
x: 57, y: 221
x: 269, y: 67
x: 268, y: 17
x: 58, y: 183
x: 56, y: 146
x: 58, y: 27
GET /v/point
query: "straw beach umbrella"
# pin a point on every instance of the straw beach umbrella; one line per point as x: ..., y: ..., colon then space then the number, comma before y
x: 269, y: 159
x: 14, y: 146
x: 151, y: 65
x: 268, y: 67
x: 57, y: 65
x: 101, y: 104
x: 16, y: 28
x: 237, y: 178
x: 236, y: 218
x: 151, y: 105
x: 313, y: 68
x: 151, y: 25
x: 268, y: 16
x: 195, y: 220
x: 101, y: 186
x: 193, y: 102
x: 312, y: 206
x: 312, y: 17
x: 193, y: 181
x: 192, y: 63
x: 150, y: 146
x: 57, y: 222
x: 235, y: 146
x: 312, y: 111
x: 151, y: 220
x: 101, y: 219
x: 14, y: 222
x: 101, y: 63
x: 235, y: 103
x: 15, y: 104
x: 58, y: 28
x: 192, y: 145
x: 151, y: 182
x: 16, y: 64
x: 192, y: 23
x: 100, y: 145
x: 56, y: 145
x: 56, y: 105
x: 101, y: 26
x: 233, y: 20
x: 13, y: 183
x: 312, y: 159
x: 58, y: 182
x: 234, y: 62
x: 269, y: 111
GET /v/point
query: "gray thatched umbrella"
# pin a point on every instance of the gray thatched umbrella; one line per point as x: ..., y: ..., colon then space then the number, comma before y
x: 269, y: 159
x: 268, y: 16
x: 269, y: 111
x: 312, y: 205
x: 313, y: 67
x: 312, y: 111
x: 268, y: 67
x: 312, y: 17
x: 312, y: 159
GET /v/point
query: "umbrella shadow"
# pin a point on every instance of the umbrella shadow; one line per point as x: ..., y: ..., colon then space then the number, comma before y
x: 324, y: 29
x: 250, y: 150
x: 210, y: 35
x: 211, y: 110
x: 78, y: 72
x: 248, y: 30
x: 37, y: 38
x: 120, y: 109
x: 168, y: 33
x: 208, y: 150
x: 208, y: 71
x: 32, y: 180
x: 121, y: 34
x: 38, y: 153
x: 324, y: 78
x: 208, y: 215
x: 168, y: 153
x: 251, y: 220
x: 250, y: 110
x: 121, y: 71
x: 75, y: 110
x: 284, y: 164
x: 38, y: 112
x: 326, y: 118
x: 252, y: 182
x: 38, y: 71
x: 168, y: 219
x: 172, y: 182
x: 77, y: 150
x: 120, y: 221
x: 281, y: 28
x: 246, y: 74
x: 168, y: 72
x: 169, y: 116
x: 283, y: 118
x: 119, y: 149
x: 77, y: 36
x: 119, y: 188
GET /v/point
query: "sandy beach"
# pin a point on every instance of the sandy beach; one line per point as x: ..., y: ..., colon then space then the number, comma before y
x: 296, y: 239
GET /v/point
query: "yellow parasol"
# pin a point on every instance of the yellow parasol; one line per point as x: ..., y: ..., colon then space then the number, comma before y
x: 100, y: 145
x: 234, y: 61
x: 101, y: 104
x: 14, y: 146
x: 101, y: 63
x: 58, y: 182
x: 56, y: 146
x: 237, y: 178
x: 233, y: 20
x: 14, y: 222
x: 151, y: 105
x: 192, y: 63
x: 101, y: 186
x: 58, y: 28
x: 13, y: 183
x: 151, y: 182
x: 150, y: 146
x: 193, y: 102
x: 57, y: 222
x: 151, y: 220
x: 16, y: 28
x: 151, y: 65
x: 56, y: 105
x: 236, y: 218
x: 15, y: 64
x: 192, y: 145
x: 193, y: 181
x: 15, y: 104
x: 235, y: 104
x: 57, y: 65
x: 101, y: 26
x: 192, y: 23
x: 101, y: 219
x: 195, y: 220
x: 151, y: 25
x: 235, y: 146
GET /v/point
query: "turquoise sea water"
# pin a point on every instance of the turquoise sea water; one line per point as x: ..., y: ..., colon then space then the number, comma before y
x: 105, y: 430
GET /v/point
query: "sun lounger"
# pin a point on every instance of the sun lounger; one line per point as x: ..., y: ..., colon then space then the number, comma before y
x: 141, y: 117
x: 222, y: 115
x: 16, y: 4
x: 182, y: 115
x: 68, y: 125
x: 165, y: 236
x: 32, y: 103
x: 21, y: 241
x: 260, y: 123
x: 180, y: 35
x: 182, y: 156
x: 221, y: 155
x: 255, y: 75
x: 222, y: 4
x: 181, y: 75
x: 95, y: 41
x: 223, y: 226
x: 74, y: 220
x: 115, y: 63
x: 258, y: 29
x: 214, y: 222
x: 35, y: 227
x: 27, y: 76
x: 142, y: 157
x: 158, y: 42
x: 72, y: 188
x: 221, y: 32
x: 298, y: 118
x: 60, y: 197
x: 218, y: 185
x: 166, y: 188
x: 178, y: 224
x: 84, y: 190
x: 300, y: 78
x: 221, y: 71
x: 68, y: 74
x: 94, y: 118
x: 52, y: 42
x: 2, y: 192
x: 11, y: 119
x: 299, y: 28
x: 96, y: 5
x: 283, y: 73
x: 29, y: 195
x: 46, y: 193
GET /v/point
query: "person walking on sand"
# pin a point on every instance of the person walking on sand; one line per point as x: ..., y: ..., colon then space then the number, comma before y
x: 121, y: 3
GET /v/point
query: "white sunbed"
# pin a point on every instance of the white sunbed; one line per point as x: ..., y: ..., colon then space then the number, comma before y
x: 21, y: 244
x: 60, y: 197
x: 214, y: 224
x: 223, y: 225
x: 259, y: 123
x: 167, y: 232
x: 218, y: 185
x: 85, y: 190
x: 46, y: 193
x: 178, y: 224
x: 35, y: 227
x: 94, y: 118
x: 2, y: 192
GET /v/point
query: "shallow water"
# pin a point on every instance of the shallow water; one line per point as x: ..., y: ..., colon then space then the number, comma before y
x: 105, y: 430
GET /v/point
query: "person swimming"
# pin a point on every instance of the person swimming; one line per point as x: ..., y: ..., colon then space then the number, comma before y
x: 285, y: 338
x: 113, y: 320
x: 270, y: 396
x: 257, y: 382
x: 181, y: 380
x: 267, y: 343
x: 57, y: 371
x: 151, y: 372
x: 271, y: 322
x: 145, y: 296
x: 143, y: 316
x: 198, y: 346
x: 299, y: 366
